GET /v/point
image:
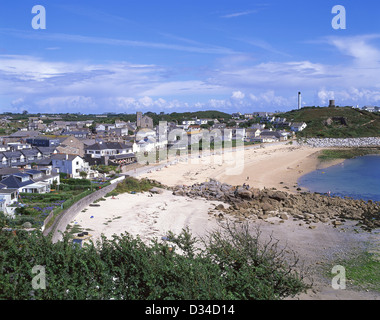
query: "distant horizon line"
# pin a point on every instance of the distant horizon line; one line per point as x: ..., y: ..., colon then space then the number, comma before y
x: 163, y: 112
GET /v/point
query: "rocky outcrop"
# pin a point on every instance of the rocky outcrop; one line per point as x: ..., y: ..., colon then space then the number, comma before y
x: 253, y: 203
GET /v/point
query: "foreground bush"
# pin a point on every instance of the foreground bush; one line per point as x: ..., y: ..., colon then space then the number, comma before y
x: 225, y: 265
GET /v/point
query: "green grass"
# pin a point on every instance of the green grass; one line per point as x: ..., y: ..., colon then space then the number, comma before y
x: 332, y: 154
x: 362, y: 272
x: 359, y: 123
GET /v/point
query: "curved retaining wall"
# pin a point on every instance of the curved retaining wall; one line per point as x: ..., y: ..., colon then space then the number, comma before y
x: 67, y: 215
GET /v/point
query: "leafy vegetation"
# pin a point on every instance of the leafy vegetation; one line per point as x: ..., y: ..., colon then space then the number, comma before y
x: 130, y: 184
x: 335, y: 122
x: 34, y: 207
x: 111, y: 117
x: 331, y: 154
x: 105, y: 169
x: 233, y: 265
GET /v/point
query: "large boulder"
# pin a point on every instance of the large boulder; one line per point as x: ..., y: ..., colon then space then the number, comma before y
x: 279, y: 196
x: 156, y: 190
x: 266, y: 207
x: 244, y: 193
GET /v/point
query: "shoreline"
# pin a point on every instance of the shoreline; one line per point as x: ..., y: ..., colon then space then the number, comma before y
x: 274, y: 166
x: 151, y: 216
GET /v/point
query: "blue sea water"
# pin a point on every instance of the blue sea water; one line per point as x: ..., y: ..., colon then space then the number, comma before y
x: 357, y: 178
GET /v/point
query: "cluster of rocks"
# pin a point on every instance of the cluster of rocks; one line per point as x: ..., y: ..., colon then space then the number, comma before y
x: 341, y: 142
x: 245, y: 202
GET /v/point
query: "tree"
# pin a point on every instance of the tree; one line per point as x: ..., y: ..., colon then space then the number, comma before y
x: 83, y: 174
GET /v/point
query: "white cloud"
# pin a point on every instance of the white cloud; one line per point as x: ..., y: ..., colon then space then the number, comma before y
x: 67, y: 104
x: 201, y: 48
x: 324, y: 96
x: 238, y: 14
x: 238, y: 95
x: 233, y: 82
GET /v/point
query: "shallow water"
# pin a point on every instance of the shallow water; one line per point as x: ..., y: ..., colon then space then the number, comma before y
x: 357, y: 178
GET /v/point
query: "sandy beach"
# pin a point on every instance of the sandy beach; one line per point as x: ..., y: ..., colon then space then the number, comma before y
x: 146, y: 215
x: 151, y: 216
x: 275, y: 166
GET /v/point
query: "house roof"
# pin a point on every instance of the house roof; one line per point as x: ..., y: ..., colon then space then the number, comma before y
x: 32, y: 171
x: 8, y: 171
x: 30, y: 152
x: 12, y: 154
x: 124, y: 156
x: 107, y: 145
x: 8, y: 191
x: 43, y: 162
x: 62, y: 156
x: 298, y: 124
x: 87, y: 142
x: 71, y: 133
x: 24, y: 134
x: 13, y: 182
x: 20, y: 174
x: 46, y: 150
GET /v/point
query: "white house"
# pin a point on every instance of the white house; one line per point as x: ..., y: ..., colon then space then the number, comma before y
x: 101, y: 149
x: 298, y: 126
x: 8, y: 197
x: 71, y: 165
x: 250, y: 134
x: 371, y: 108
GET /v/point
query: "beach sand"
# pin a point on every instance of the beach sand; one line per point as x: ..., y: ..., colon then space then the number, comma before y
x: 149, y: 216
x: 152, y: 216
x: 275, y: 166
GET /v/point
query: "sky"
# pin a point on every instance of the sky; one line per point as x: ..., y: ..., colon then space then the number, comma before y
x: 181, y: 55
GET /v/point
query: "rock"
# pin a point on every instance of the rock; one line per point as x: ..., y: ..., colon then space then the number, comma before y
x: 156, y: 190
x: 179, y: 192
x: 266, y: 207
x: 244, y: 193
x: 283, y: 216
x: 279, y: 196
x: 308, y: 207
x: 219, y: 207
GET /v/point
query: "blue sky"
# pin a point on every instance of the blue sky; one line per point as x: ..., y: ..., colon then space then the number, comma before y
x: 180, y: 55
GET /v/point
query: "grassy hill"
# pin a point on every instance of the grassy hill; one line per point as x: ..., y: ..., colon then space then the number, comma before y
x: 336, y: 122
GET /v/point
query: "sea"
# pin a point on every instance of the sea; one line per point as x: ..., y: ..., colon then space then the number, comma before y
x: 357, y: 178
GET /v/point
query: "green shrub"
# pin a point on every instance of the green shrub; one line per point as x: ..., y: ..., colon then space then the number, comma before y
x: 130, y: 184
x: 233, y: 266
x: 76, y: 182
